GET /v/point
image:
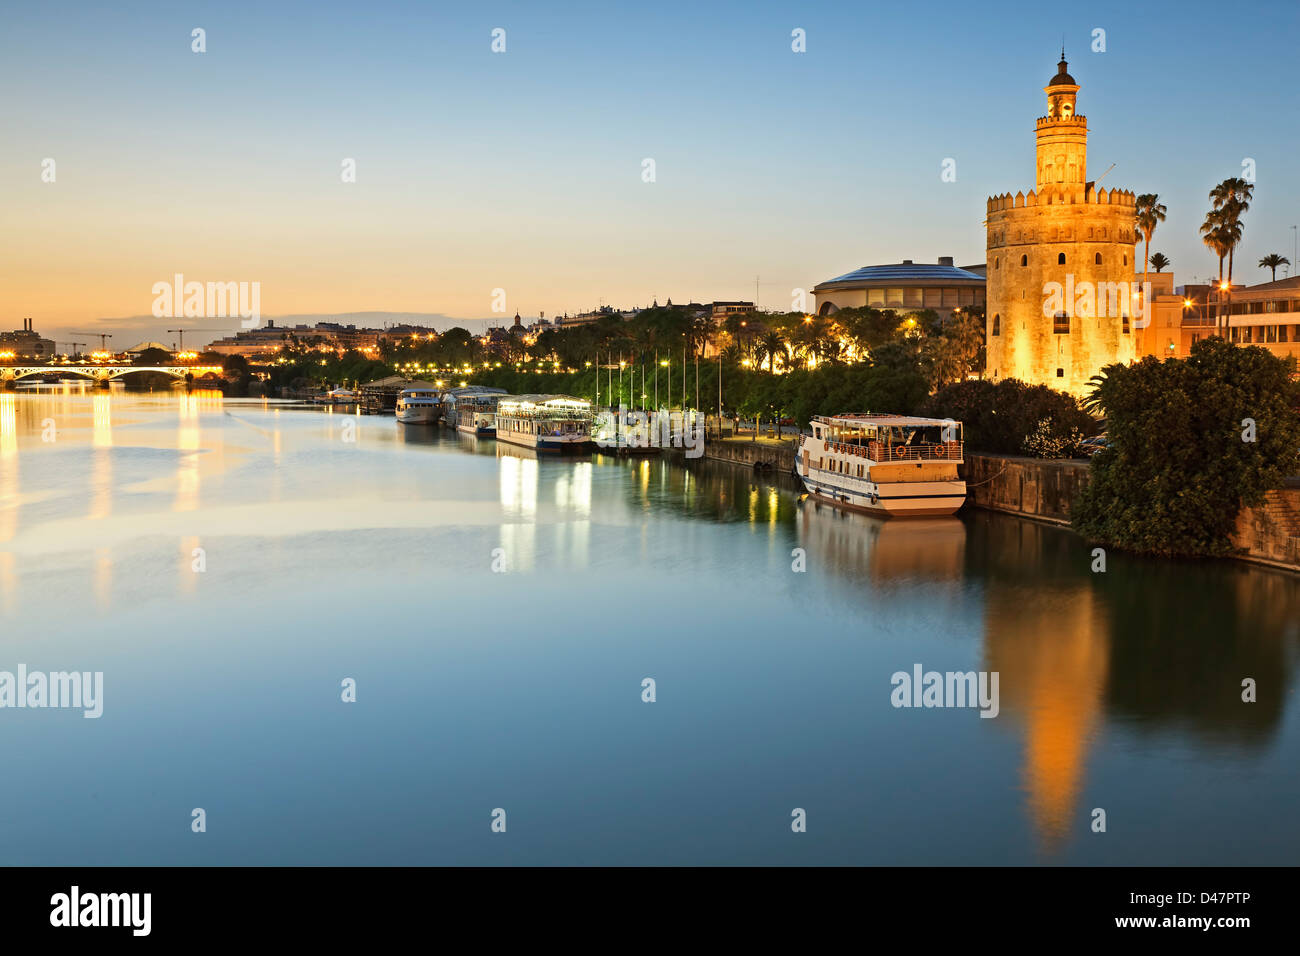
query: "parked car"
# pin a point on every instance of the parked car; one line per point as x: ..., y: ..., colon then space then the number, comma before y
x: 1088, y: 447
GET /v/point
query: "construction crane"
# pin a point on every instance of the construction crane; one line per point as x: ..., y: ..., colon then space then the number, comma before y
x: 74, y: 351
x: 103, y: 338
x: 181, y: 333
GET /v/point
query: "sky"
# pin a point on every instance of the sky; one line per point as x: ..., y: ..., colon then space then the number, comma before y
x: 523, y: 170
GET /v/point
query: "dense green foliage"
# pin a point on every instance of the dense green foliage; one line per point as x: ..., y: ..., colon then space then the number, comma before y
x: 860, y: 359
x: 999, y: 417
x: 1183, y: 456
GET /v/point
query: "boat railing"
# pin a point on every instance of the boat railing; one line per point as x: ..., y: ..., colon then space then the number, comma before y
x: 879, y: 451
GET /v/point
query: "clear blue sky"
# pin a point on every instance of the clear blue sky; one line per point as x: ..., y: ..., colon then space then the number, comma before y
x: 522, y: 170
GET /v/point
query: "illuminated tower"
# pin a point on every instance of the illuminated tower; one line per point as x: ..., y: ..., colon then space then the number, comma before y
x: 1061, y: 299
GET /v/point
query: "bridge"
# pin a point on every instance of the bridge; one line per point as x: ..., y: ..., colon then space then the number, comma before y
x: 104, y: 372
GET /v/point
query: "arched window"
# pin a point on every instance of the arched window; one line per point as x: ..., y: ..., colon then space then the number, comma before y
x: 1126, y: 258
x: 1024, y: 260
x: 997, y: 262
x: 1097, y: 258
x: 1060, y: 259
x: 997, y: 325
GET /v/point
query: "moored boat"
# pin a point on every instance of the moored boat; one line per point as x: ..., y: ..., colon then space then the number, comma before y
x: 474, y: 410
x: 889, y: 465
x: 418, y: 406
x: 549, y: 423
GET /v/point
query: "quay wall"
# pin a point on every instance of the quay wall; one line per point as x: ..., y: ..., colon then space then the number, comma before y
x: 779, y: 458
x: 1044, y: 490
x: 1031, y: 487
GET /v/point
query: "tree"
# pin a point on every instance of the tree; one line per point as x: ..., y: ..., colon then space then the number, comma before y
x: 1272, y: 261
x: 1150, y: 213
x: 1232, y: 197
x: 1191, y: 441
x: 1214, y: 233
x: 1159, y: 261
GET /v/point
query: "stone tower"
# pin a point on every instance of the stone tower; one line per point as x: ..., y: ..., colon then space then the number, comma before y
x: 1061, y: 295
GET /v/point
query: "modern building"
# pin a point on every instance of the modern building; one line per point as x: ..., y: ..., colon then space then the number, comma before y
x: 268, y: 340
x: 1267, y: 315
x: 26, y: 343
x: 719, y: 311
x: 1060, y: 261
x: 906, y: 287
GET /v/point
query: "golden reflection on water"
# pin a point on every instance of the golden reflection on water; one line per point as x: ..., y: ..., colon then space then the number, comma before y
x: 1052, y: 651
x: 1049, y: 642
x: 188, y: 443
x: 10, y: 486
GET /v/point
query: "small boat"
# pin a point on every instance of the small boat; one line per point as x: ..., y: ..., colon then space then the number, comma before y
x: 622, y: 431
x: 419, y: 406
x: 338, y: 396
x: 888, y: 465
x: 476, y: 410
x: 549, y: 423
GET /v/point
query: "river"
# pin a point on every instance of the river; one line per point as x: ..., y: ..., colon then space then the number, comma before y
x: 233, y: 567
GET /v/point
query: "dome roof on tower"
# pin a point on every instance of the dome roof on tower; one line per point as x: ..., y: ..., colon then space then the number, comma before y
x: 1062, y: 78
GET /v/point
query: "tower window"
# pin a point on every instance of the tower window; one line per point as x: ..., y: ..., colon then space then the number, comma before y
x: 1060, y: 259
x: 1024, y: 260
x: 997, y: 262
x: 997, y: 325
x: 1061, y: 323
x: 1126, y: 258
x: 1097, y: 258
x: 1060, y: 373
x: 1126, y: 325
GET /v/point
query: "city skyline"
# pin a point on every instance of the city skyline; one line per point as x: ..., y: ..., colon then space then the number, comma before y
x: 525, y: 172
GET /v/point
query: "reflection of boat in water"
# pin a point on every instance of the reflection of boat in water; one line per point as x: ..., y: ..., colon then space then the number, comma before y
x: 418, y: 406
x: 889, y: 465
x: 550, y: 423
x: 864, y: 545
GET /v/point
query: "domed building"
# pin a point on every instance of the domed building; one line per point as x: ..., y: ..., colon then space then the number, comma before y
x: 905, y: 287
x: 1060, y: 261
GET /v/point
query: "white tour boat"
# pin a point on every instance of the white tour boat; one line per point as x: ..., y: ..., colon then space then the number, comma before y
x: 418, y: 406
x: 888, y: 465
x: 550, y: 423
x: 474, y: 411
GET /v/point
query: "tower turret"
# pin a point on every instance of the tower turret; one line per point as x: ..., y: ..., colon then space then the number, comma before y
x: 1062, y: 135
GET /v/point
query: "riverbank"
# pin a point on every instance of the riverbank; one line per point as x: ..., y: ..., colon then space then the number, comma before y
x: 1044, y: 490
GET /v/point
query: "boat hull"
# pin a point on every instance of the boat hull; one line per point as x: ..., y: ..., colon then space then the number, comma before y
x: 418, y: 415
x: 554, y: 444
x: 900, y: 500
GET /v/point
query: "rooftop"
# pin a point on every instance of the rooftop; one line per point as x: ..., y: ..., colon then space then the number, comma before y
x: 906, y: 271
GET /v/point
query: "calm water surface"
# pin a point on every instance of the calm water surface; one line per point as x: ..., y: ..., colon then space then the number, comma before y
x: 372, y: 559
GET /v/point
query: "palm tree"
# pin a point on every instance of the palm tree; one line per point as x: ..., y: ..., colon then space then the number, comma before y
x: 770, y: 346
x: 1150, y: 213
x: 1214, y: 235
x: 1232, y: 197
x: 1272, y: 261
x: 1159, y: 261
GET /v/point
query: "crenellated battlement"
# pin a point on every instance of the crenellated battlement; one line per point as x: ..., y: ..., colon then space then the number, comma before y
x: 1058, y: 196
x: 1075, y: 120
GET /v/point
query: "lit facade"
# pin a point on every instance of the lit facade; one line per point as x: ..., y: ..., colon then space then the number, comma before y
x: 1060, y: 260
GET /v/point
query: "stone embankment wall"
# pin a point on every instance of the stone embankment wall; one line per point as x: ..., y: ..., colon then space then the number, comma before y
x: 1045, y: 490
x: 1024, y: 486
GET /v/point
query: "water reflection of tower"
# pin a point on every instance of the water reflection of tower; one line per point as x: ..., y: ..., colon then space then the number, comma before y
x: 1047, y: 635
